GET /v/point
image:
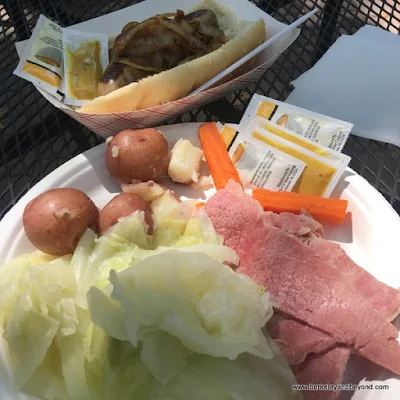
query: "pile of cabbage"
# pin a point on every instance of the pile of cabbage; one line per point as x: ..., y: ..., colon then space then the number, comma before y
x: 133, y: 316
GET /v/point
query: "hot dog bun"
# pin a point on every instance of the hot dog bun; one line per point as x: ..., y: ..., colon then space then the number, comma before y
x: 176, y: 83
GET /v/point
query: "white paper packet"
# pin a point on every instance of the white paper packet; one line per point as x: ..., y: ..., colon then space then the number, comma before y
x: 330, y: 132
x: 42, y: 60
x: 298, y: 139
x: 320, y: 175
x: 261, y: 165
x: 85, y: 59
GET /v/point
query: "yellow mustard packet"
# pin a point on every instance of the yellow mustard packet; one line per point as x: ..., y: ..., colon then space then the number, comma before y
x: 259, y: 164
x: 324, y: 130
x: 321, y: 173
x: 85, y: 59
x: 300, y: 140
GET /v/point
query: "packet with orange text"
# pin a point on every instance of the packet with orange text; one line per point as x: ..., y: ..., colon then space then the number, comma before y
x: 324, y: 130
x: 298, y: 139
x: 321, y: 173
x: 42, y: 61
x: 261, y: 165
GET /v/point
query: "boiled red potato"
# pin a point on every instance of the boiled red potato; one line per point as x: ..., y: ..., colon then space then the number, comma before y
x: 140, y: 154
x: 123, y: 205
x: 55, y: 220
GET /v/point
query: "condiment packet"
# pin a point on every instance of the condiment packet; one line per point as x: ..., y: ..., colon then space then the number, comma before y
x: 298, y: 139
x: 320, y: 175
x: 330, y: 132
x: 85, y: 59
x: 261, y: 165
x: 42, y: 61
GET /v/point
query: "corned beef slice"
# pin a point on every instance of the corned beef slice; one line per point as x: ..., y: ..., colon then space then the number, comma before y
x: 384, y: 299
x: 302, y: 226
x: 301, y: 283
x: 322, y: 368
x: 296, y: 339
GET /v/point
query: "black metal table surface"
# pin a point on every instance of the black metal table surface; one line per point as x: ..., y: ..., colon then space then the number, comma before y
x: 36, y: 138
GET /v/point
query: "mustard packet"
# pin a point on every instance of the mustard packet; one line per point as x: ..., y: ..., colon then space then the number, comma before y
x: 42, y: 61
x: 324, y: 130
x: 85, y: 59
x: 321, y: 173
x: 259, y: 164
x: 299, y: 140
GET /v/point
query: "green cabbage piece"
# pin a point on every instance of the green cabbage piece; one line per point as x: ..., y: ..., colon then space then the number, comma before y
x: 180, y: 224
x: 199, y: 301
x: 204, y: 377
x: 41, y: 319
x: 246, y: 378
x: 198, y: 230
x: 170, y: 219
x: 118, y: 249
x: 193, y: 328
x: 12, y: 272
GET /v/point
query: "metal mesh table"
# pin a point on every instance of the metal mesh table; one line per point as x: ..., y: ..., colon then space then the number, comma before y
x: 35, y: 137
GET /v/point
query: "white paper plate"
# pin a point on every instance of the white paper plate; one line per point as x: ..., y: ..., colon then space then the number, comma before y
x: 370, y: 234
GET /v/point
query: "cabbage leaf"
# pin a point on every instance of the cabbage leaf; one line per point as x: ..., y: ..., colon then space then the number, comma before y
x: 204, y: 304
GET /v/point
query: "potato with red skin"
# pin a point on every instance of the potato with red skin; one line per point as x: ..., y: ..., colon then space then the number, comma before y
x: 140, y: 154
x: 55, y: 220
x: 123, y: 205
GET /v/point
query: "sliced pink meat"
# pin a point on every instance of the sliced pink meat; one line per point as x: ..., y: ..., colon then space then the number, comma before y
x: 296, y: 340
x: 302, y: 226
x: 383, y: 298
x: 300, y: 282
x: 323, y: 368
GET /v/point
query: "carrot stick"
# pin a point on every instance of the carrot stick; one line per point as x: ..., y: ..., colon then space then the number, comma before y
x: 322, y: 209
x: 218, y: 160
x: 199, y: 205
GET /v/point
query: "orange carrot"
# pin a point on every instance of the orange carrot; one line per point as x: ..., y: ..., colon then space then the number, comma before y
x: 199, y: 205
x: 218, y: 160
x: 322, y: 209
